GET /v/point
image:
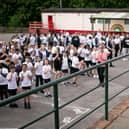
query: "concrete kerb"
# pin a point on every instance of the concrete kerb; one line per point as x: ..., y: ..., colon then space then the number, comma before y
x: 113, y: 114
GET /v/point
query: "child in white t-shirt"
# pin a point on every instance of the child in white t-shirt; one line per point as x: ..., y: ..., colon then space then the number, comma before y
x: 65, y: 67
x: 38, y: 71
x: 46, y: 74
x: 26, y: 77
x: 12, y: 84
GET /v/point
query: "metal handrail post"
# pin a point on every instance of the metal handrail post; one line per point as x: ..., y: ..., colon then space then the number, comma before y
x: 56, y: 107
x: 106, y: 92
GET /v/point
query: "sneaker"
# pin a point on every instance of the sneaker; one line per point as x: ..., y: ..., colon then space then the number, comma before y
x: 15, y: 105
x: 94, y: 76
x: 11, y: 105
x: 125, y: 59
x: 97, y: 76
x: 49, y: 94
x: 65, y: 84
x: 45, y: 94
x: 74, y: 84
x: 83, y: 74
x: 41, y: 91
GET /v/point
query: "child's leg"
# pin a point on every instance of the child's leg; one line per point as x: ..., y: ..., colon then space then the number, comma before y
x: 1, y: 94
x: 74, y: 81
x: 28, y: 103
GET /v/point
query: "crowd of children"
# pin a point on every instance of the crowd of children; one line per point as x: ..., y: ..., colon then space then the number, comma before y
x: 24, y: 59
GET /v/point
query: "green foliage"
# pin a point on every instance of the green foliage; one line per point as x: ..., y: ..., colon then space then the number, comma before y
x: 20, y: 12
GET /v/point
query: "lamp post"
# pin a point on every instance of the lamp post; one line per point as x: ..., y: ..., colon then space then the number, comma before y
x: 92, y: 21
x: 60, y: 3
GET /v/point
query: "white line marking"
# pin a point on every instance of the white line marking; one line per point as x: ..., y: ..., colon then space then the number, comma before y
x: 74, y: 119
x: 67, y: 120
x: 79, y: 111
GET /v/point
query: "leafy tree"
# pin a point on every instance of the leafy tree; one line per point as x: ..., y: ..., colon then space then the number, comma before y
x: 20, y: 12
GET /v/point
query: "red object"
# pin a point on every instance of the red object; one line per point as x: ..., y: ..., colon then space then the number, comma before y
x: 50, y: 23
x: 34, y: 26
x: 42, y: 28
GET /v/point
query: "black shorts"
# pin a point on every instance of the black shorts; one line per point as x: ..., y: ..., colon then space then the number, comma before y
x: 93, y: 63
x: 12, y: 92
x: 65, y: 71
x: 88, y: 63
x: 26, y: 88
x: 3, y: 88
x: 74, y: 70
x: 47, y: 80
x: 80, y: 58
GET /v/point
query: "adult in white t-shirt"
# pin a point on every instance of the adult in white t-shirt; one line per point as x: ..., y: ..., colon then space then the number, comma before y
x: 117, y: 43
x: 3, y: 82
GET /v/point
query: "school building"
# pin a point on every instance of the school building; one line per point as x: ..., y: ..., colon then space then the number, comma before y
x: 83, y: 20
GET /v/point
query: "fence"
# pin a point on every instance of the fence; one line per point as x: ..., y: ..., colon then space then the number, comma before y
x: 14, y: 30
x: 57, y: 108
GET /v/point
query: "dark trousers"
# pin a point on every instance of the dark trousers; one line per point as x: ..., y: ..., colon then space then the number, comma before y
x: 101, y: 74
x: 110, y: 57
x: 116, y: 49
x: 39, y: 80
x: 3, y: 91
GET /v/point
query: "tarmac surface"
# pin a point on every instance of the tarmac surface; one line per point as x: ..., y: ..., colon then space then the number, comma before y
x: 16, y: 117
x: 122, y: 122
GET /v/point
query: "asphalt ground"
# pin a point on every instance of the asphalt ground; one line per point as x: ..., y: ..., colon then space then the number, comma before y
x: 16, y: 117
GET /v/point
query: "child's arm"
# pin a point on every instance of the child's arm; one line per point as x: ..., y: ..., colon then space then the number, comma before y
x: 9, y: 77
x: 30, y: 76
x: 21, y: 77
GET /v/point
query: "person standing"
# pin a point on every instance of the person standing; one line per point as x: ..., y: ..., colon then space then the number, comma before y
x: 26, y: 77
x: 117, y: 43
x: 46, y: 74
x: 75, y: 67
x: 12, y: 78
x: 38, y: 71
x: 101, y: 56
x: 3, y: 81
x: 125, y: 49
x: 110, y: 49
x: 75, y: 40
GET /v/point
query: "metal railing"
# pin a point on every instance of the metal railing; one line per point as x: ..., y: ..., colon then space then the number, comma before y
x: 56, y: 108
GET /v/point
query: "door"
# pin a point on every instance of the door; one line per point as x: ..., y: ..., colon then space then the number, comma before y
x: 50, y: 22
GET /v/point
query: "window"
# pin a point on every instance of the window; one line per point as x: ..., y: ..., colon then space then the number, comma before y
x: 126, y: 21
x: 105, y: 21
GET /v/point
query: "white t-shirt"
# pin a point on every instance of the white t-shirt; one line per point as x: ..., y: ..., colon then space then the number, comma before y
x: 87, y: 55
x: 93, y: 55
x: 32, y: 40
x: 38, y: 66
x: 26, y: 81
x: 81, y: 52
x: 82, y: 39
x: 117, y: 41
x: 48, y: 74
x: 12, y: 84
x: 16, y: 56
x: 54, y: 49
x: 71, y: 53
x: 43, y: 39
x: 75, y: 61
x: 65, y: 65
x: 3, y: 80
x: 29, y: 65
